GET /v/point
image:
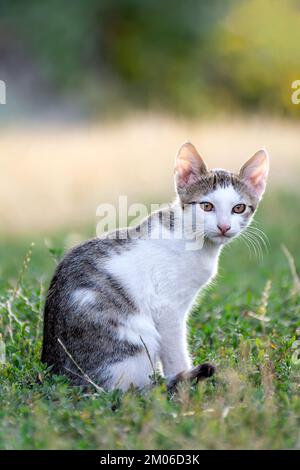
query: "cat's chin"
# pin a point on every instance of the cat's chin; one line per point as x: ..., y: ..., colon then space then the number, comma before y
x: 221, y: 239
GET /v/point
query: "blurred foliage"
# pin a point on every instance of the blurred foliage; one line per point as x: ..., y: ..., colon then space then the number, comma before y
x: 190, y: 57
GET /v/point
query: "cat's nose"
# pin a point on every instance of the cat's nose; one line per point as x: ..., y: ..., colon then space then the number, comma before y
x: 224, y: 228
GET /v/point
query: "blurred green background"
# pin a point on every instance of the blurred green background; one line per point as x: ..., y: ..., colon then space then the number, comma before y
x: 90, y: 58
x: 100, y: 94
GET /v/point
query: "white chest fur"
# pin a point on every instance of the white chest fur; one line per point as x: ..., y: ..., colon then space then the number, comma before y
x: 163, y: 279
x: 162, y: 276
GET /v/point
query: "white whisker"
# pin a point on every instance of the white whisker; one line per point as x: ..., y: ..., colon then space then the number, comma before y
x: 246, y: 243
x: 257, y: 240
x: 260, y: 234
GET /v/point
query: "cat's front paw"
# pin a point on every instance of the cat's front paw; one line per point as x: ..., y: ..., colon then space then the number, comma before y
x: 202, y: 371
x: 198, y: 373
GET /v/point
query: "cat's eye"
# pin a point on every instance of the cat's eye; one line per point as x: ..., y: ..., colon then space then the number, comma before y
x: 206, y: 206
x: 239, y: 209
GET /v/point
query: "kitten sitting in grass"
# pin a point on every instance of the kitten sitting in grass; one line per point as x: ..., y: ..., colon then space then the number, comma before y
x: 118, y: 304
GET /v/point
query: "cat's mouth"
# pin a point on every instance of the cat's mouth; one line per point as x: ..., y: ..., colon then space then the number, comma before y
x: 219, y: 238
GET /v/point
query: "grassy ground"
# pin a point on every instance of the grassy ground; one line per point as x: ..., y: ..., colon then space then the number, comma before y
x: 246, y: 324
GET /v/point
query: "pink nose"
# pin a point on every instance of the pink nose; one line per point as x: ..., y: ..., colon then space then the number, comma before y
x: 224, y: 228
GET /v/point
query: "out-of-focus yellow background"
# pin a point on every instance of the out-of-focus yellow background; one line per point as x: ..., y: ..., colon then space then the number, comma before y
x: 100, y: 95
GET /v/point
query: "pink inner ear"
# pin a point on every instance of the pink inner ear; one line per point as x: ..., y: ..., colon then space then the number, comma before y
x: 189, y: 165
x: 257, y: 177
x: 255, y: 171
x: 187, y: 172
x: 183, y: 169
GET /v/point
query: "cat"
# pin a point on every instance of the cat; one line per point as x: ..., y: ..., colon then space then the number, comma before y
x: 118, y: 304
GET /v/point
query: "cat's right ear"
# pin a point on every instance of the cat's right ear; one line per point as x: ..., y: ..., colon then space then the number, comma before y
x: 255, y: 172
x: 189, y: 166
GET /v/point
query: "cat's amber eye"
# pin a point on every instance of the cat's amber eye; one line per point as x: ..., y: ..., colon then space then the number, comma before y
x: 206, y: 206
x: 239, y: 208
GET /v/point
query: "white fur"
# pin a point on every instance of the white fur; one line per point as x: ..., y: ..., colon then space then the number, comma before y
x: 83, y: 297
x: 141, y: 326
x: 223, y: 199
x: 136, y: 370
x: 164, y: 278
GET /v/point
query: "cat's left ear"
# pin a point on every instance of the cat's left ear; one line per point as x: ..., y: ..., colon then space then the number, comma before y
x: 255, y: 172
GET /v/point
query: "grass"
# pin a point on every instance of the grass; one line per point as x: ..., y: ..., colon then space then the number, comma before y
x: 247, y: 324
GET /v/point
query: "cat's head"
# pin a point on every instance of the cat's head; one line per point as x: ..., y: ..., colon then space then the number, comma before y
x: 228, y: 200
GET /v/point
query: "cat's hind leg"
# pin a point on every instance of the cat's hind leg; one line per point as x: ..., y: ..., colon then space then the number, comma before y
x: 136, y: 371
